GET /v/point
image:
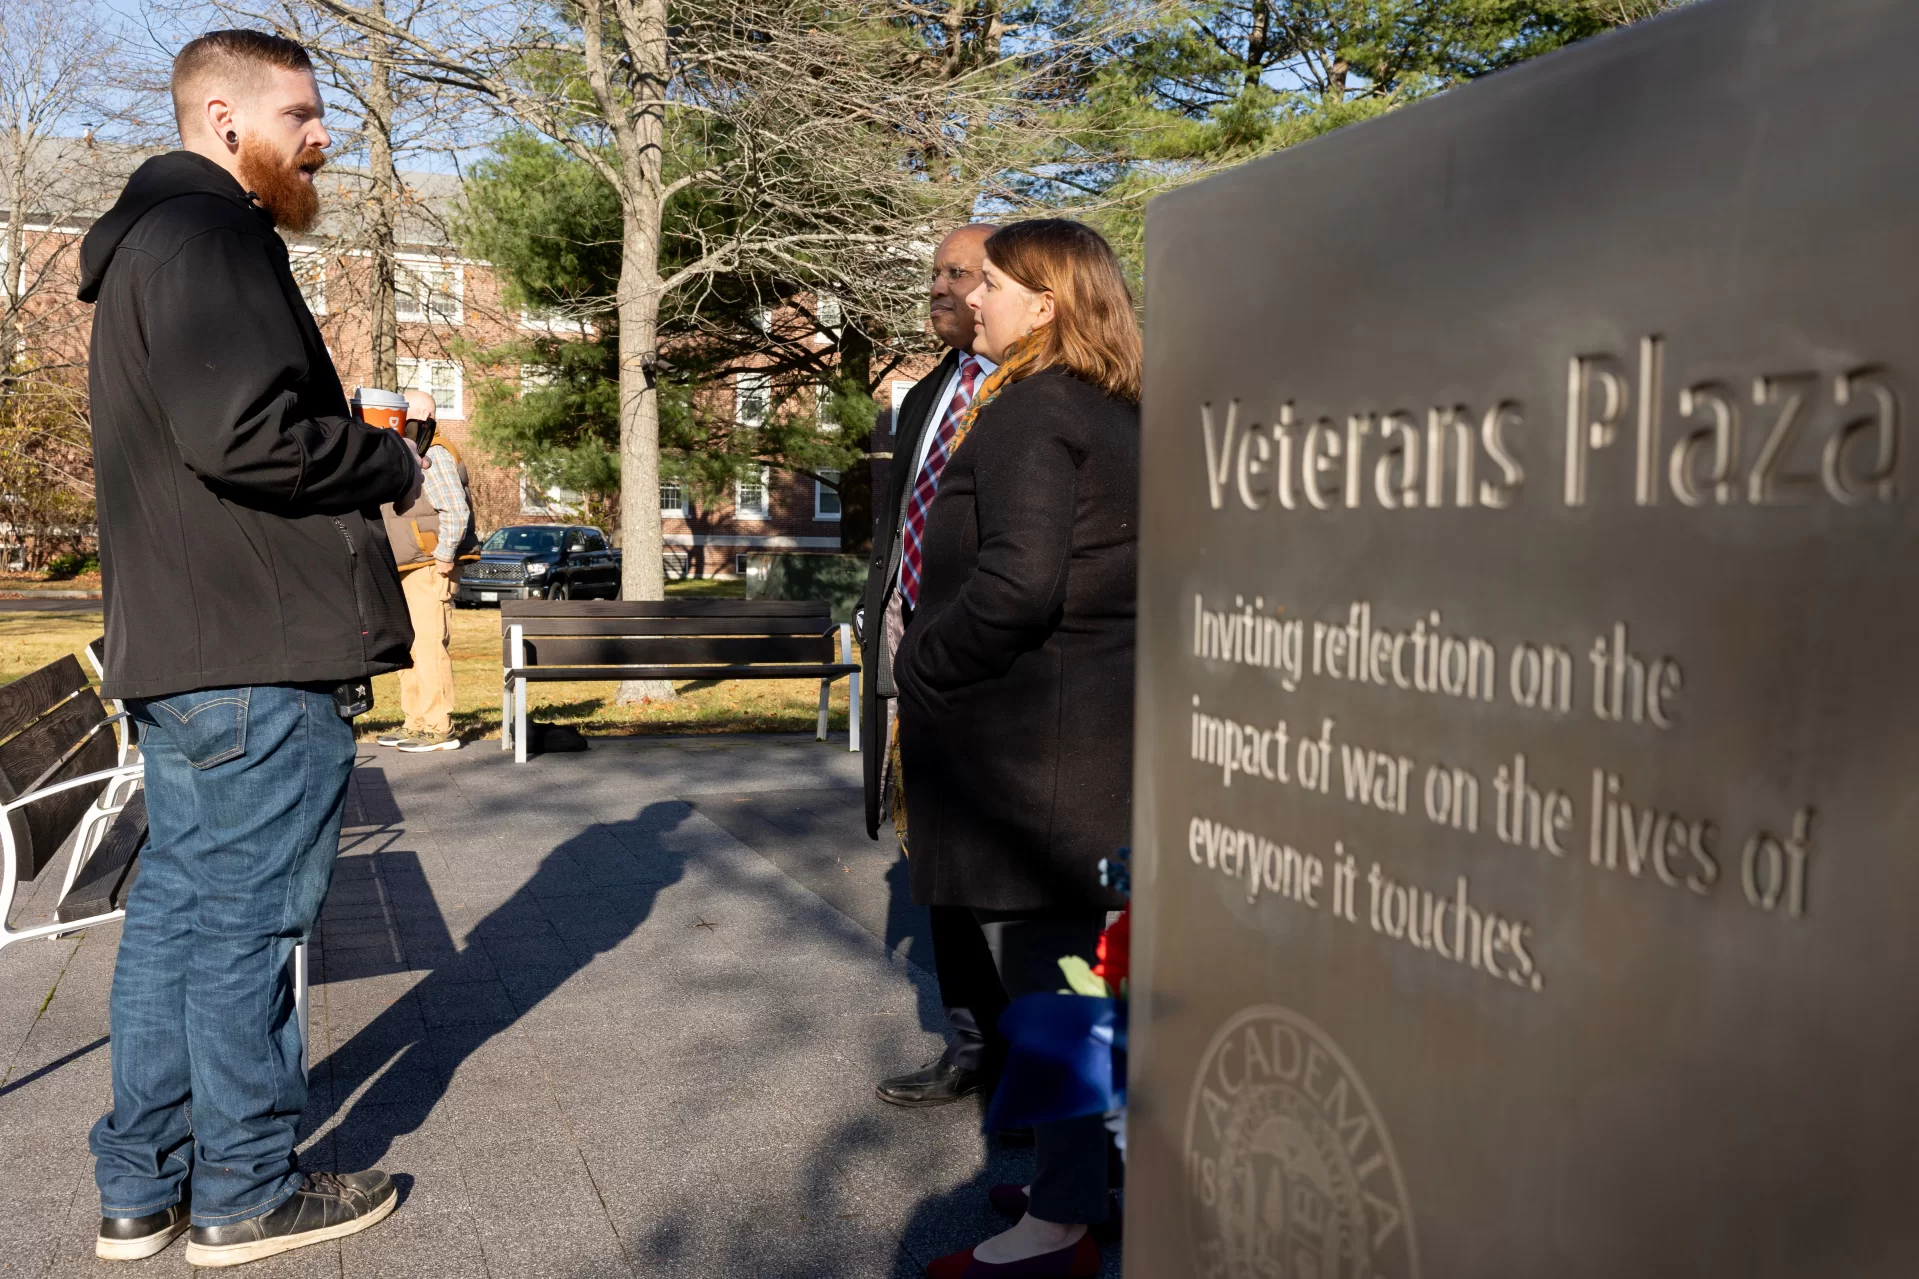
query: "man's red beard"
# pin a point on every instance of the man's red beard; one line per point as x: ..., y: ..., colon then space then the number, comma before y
x: 279, y: 185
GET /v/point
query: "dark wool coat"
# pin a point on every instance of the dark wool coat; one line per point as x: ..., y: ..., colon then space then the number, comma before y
x: 1016, y: 676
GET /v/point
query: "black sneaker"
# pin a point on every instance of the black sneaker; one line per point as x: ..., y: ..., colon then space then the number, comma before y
x: 131, y: 1238
x: 326, y: 1207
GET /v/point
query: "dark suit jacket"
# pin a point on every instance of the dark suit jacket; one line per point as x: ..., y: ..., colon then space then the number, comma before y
x: 882, y: 579
x: 1016, y: 676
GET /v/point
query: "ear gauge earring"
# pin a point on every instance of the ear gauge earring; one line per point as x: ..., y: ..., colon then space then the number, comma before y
x: 233, y: 139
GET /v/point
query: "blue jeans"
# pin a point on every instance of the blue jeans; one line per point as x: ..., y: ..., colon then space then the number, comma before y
x: 245, y: 791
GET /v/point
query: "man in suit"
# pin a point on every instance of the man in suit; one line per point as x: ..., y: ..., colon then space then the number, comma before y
x: 922, y: 438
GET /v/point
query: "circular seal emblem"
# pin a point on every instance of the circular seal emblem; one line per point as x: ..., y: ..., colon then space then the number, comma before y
x: 1290, y: 1173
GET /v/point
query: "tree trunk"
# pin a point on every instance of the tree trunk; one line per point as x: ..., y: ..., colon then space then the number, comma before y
x: 1258, y: 44
x: 12, y: 322
x: 642, y: 548
x: 642, y: 142
x: 382, y: 304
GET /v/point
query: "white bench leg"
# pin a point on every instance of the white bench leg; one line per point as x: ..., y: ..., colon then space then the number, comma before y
x: 853, y: 713
x: 519, y: 721
x: 826, y: 691
x: 516, y: 652
x: 301, y: 977
x: 852, y: 693
x: 506, y: 717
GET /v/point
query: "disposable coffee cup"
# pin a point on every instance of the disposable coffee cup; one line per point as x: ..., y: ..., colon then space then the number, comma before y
x: 381, y: 408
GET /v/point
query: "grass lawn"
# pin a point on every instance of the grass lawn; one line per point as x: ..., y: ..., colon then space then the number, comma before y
x: 29, y: 640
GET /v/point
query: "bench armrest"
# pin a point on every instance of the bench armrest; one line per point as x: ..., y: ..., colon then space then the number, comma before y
x: 118, y: 773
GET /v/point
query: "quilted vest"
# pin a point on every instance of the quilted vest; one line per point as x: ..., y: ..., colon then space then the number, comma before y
x: 414, y: 534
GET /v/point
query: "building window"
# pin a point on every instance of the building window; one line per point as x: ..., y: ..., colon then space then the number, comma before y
x: 551, y: 319
x: 535, y: 377
x: 826, y: 498
x: 830, y: 313
x: 823, y: 410
x: 441, y: 379
x: 739, y: 565
x: 429, y: 292
x: 749, y: 497
x: 309, y: 272
x: 672, y: 500
x: 752, y: 399
x: 550, y: 503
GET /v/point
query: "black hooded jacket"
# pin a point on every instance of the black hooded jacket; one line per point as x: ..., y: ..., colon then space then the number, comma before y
x: 240, y: 540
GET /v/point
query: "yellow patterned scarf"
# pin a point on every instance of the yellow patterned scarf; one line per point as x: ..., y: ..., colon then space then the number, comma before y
x: 1020, y: 359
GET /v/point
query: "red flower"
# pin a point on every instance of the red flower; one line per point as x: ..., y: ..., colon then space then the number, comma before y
x: 1115, y: 951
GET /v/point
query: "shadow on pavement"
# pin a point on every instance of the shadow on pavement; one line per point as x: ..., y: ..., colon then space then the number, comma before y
x: 585, y: 899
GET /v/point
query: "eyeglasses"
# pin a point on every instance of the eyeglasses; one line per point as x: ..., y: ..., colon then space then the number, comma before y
x: 954, y: 275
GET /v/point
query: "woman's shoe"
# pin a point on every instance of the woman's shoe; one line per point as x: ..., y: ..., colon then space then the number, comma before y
x: 1009, y: 1201
x: 1079, y: 1260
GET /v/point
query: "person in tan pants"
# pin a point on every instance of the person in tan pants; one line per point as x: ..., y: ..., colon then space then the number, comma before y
x: 428, y: 539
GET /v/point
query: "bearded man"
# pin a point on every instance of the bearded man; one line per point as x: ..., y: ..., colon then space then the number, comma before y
x: 248, y: 597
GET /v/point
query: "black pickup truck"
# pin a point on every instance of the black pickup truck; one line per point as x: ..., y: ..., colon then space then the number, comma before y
x: 541, y: 562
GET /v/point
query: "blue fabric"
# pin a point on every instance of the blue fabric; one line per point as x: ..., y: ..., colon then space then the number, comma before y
x: 245, y: 791
x: 1065, y: 1058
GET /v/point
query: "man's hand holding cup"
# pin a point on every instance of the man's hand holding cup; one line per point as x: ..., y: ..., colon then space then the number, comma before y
x: 387, y: 411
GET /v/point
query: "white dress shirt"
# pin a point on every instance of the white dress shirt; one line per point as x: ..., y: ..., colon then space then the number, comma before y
x: 986, y: 368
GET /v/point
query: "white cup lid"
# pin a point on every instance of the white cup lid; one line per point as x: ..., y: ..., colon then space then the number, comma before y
x: 374, y: 397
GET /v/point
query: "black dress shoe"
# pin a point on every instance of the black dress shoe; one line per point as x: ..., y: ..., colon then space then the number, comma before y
x: 934, y: 1084
x: 131, y: 1238
x: 326, y: 1207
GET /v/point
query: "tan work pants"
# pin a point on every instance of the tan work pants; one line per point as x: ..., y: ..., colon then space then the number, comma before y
x: 426, y: 691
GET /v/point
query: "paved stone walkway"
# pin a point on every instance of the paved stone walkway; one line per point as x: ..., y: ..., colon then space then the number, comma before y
x: 606, y: 1014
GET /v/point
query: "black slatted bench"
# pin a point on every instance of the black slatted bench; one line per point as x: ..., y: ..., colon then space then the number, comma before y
x: 573, y: 640
x: 66, y: 776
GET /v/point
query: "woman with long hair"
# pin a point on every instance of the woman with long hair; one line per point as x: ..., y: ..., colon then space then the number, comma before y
x: 1016, y: 674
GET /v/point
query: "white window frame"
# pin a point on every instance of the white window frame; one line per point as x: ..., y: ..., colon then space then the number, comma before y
x: 764, y: 510
x: 423, y: 271
x: 552, y: 320
x: 553, y: 503
x: 535, y: 377
x: 744, y: 385
x: 831, y: 313
x: 450, y: 403
x: 821, y: 492
x: 298, y: 258
x: 676, y: 511
x: 822, y: 397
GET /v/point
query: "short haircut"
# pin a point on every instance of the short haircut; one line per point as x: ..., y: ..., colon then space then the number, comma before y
x: 1094, y: 334
x: 240, y: 58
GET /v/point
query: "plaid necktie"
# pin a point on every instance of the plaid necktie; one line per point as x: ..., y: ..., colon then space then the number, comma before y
x: 929, y: 480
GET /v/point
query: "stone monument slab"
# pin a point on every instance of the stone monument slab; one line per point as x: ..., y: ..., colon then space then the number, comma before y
x: 1528, y: 764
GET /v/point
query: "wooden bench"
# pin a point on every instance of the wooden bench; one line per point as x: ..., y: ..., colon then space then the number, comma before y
x: 66, y: 775
x: 678, y: 640
x: 69, y: 771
